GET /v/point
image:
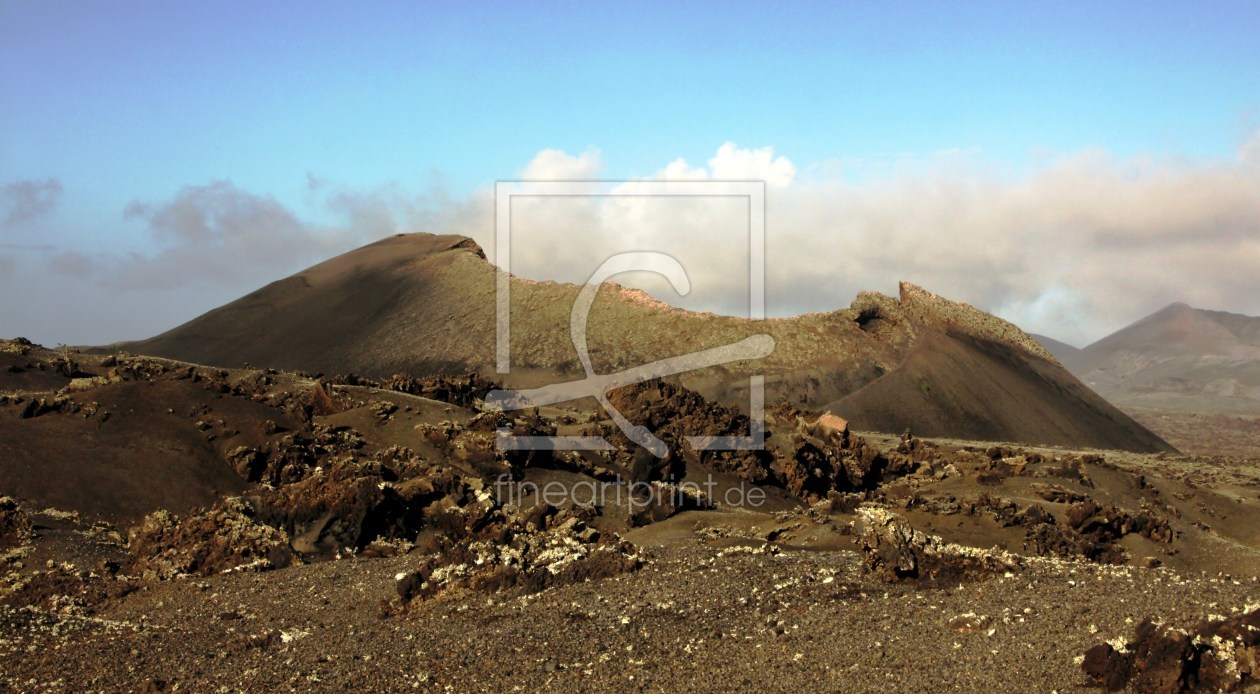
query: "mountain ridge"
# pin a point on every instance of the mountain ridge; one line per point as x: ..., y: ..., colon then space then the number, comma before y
x: 1178, y: 357
x: 426, y: 303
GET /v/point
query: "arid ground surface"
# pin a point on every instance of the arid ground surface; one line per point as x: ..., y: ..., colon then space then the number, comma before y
x: 169, y: 526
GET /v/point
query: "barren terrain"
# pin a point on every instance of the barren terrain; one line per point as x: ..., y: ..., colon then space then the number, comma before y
x: 343, y: 531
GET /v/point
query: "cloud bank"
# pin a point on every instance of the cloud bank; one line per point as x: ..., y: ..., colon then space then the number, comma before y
x: 1076, y: 248
x: 219, y: 234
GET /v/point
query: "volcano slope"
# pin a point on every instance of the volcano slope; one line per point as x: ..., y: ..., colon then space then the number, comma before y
x: 329, y: 533
x: 1190, y: 375
x: 419, y: 303
x: 1178, y: 358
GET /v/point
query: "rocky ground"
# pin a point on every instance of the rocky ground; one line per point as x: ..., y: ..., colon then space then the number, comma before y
x: 346, y: 532
x: 1203, y: 432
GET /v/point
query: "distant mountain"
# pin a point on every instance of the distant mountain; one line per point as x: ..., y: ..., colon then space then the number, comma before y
x: 1060, y: 350
x: 421, y: 303
x: 1180, y: 358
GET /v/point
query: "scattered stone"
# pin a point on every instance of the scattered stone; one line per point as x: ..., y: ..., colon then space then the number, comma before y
x: 896, y: 552
x: 1217, y: 655
x: 536, y: 552
x: 970, y: 622
x: 15, y: 524
x: 224, y: 538
x: 383, y: 410
x: 461, y: 391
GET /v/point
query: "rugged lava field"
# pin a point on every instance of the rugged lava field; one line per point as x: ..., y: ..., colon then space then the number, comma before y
x: 170, y: 526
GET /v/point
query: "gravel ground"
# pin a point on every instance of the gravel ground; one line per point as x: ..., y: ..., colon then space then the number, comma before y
x: 696, y: 616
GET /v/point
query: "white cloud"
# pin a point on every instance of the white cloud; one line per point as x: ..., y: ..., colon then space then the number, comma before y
x: 733, y: 163
x: 680, y: 170
x: 555, y: 165
x: 565, y: 239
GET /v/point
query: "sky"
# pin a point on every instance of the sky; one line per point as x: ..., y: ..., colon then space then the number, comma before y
x: 1068, y: 166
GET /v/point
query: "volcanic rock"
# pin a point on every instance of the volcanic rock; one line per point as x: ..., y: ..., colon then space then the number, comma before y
x: 224, y: 538
x: 895, y: 551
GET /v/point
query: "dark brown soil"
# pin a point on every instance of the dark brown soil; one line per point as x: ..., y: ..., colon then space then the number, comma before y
x: 945, y: 387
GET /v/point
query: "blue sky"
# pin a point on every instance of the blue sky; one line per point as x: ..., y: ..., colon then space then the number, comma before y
x: 135, y: 101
